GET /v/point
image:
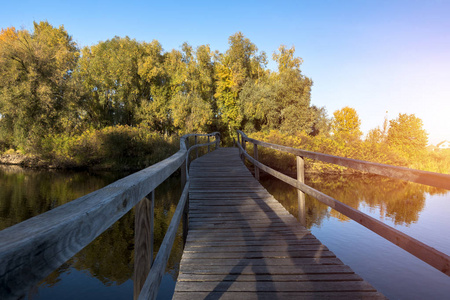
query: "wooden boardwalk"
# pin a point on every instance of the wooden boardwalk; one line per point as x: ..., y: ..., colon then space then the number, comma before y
x: 242, y: 243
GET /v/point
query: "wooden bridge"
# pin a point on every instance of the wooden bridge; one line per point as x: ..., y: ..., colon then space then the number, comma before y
x: 241, y: 243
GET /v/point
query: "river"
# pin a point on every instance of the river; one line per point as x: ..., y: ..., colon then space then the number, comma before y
x: 103, y: 270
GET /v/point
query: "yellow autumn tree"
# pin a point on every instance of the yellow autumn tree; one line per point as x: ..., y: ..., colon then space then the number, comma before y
x: 346, y: 124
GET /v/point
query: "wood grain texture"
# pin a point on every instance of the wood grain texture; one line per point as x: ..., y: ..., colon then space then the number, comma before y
x: 153, y: 281
x: 143, y: 241
x: 242, y: 243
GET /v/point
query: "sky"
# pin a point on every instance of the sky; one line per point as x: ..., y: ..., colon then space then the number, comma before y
x: 380, y: 57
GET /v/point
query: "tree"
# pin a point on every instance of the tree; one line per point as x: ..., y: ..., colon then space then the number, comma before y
x: 320, y: 121
x: 35, y: 71
x: 113, y: 88
x: 154, y: 110
x: 257, y: 104
x: 233, y: 69
x: 292, y: 92
x: 406, y: 134
x: 346, y: 124
x: 190, y: 113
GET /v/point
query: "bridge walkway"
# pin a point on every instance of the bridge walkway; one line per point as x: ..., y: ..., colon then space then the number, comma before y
x: 243, y: 244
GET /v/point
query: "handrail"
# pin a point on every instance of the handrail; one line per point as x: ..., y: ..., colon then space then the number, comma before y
x: 32, y: 249
x: 424, y: 177
x: 196, y: 147
x: 431, y: 256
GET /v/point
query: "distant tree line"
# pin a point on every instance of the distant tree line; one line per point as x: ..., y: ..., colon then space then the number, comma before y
x: 48, y: 85
x: 68, y: 103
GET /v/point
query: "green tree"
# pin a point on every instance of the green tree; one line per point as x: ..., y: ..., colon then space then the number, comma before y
x: 190, y: 113
x: 35, y: 70
x: 258, y: 105
x: 112, y: 86
x: 346, y: 124
x: 239, y: 64
x: 292, y: 93
x: 320, y: 121
x: 154, y: 108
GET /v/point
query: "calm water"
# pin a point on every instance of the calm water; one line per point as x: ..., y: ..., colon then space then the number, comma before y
x: 103, y: 270
x: 419, y: 211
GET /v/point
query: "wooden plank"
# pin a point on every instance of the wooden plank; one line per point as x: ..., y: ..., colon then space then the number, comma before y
x: 255, y: 277
x: 258, y: 261
x: 278, y: 295
x: 294, y: 253
x: 247, y: 249
x: 248, y: 238
x: 281, y: 229
x: 267, y: 286
x: 266, y: 242
x: 266, y: 270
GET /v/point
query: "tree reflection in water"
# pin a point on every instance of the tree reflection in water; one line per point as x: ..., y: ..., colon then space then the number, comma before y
x: 396, y: 200
x: 25, y: 193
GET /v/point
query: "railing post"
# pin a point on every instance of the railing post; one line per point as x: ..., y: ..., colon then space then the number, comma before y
x: 300, y: 194
x: 255, y: 156
x: 243, y: 147
x: 196, y: 149
x: 208, y: 145
x: 143, y: 241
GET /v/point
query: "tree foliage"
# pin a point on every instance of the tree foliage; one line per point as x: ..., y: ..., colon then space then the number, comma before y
x: 52, y: 93
x: 346, y: 124
x: 49, y: 86
x: 406, y: 133
x: 35, y: 69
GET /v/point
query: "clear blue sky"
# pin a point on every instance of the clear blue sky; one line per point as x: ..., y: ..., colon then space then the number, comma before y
x: 375, y: 56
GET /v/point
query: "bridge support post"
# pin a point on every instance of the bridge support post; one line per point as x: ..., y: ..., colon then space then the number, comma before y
x: 143, y: 242
x: 255, y: 156
x: 243, y: 147
x: 300, y: 194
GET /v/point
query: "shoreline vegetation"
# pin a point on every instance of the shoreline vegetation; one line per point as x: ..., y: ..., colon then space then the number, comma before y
x: 111, y: 148
x: 123, y: 104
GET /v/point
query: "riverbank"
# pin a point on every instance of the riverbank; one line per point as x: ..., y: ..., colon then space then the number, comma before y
x: 22, y: 160
x: 112, y: 148
x: 35, y: 162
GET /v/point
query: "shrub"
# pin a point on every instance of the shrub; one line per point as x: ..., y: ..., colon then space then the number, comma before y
x: 116, y: 147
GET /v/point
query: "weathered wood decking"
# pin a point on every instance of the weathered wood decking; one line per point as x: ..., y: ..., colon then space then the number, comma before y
x: 242, y: 243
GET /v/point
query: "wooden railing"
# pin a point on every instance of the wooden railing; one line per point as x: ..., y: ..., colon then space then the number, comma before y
x: 433, y: 257
x: 31, y: 250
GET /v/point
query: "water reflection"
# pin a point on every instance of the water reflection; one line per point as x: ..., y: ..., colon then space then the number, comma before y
x: 414, y: 209
x: 109, y: 259
x: 395, y: 200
